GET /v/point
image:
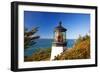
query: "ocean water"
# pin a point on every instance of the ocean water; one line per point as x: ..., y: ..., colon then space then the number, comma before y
x: 45, y: 43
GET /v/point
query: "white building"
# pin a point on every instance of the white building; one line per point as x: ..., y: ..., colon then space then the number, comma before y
x: 59, y: 42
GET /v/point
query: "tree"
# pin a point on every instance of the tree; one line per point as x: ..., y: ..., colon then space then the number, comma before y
x: 30, y: 37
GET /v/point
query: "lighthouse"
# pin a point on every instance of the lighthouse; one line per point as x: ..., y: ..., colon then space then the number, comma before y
x: 59, y: 41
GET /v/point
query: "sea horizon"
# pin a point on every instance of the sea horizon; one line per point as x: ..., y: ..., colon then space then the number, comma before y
x: 45, y: 44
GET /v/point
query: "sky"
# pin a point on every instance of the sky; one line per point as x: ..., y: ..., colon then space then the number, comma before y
x: 75, y: 23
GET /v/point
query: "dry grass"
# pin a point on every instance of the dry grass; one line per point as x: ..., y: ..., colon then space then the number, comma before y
x: 81, y: 50
x: 41, y: 55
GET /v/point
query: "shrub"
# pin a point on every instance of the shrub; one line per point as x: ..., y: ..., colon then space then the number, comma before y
x: 81, y: 50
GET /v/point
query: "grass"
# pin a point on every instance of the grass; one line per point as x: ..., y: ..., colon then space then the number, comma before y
x: 41, y: 55
x: 80, y: 50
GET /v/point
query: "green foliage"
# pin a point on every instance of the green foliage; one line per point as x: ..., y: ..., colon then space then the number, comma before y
x: 81, y: 50
x: 41, y: 55
x: 30, y: 37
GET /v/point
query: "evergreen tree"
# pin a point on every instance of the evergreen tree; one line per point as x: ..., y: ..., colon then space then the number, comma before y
x: 30, y: 37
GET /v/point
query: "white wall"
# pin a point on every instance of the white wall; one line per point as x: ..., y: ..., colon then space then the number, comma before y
x: 5, y: 35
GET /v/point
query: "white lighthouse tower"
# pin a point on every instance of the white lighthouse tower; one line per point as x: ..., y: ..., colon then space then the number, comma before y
x: 59, y: 42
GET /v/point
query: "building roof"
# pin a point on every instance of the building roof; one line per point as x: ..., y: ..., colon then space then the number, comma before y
x: 60, y: 27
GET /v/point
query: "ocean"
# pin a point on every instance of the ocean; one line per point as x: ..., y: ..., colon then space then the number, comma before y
x: 44, y: 43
